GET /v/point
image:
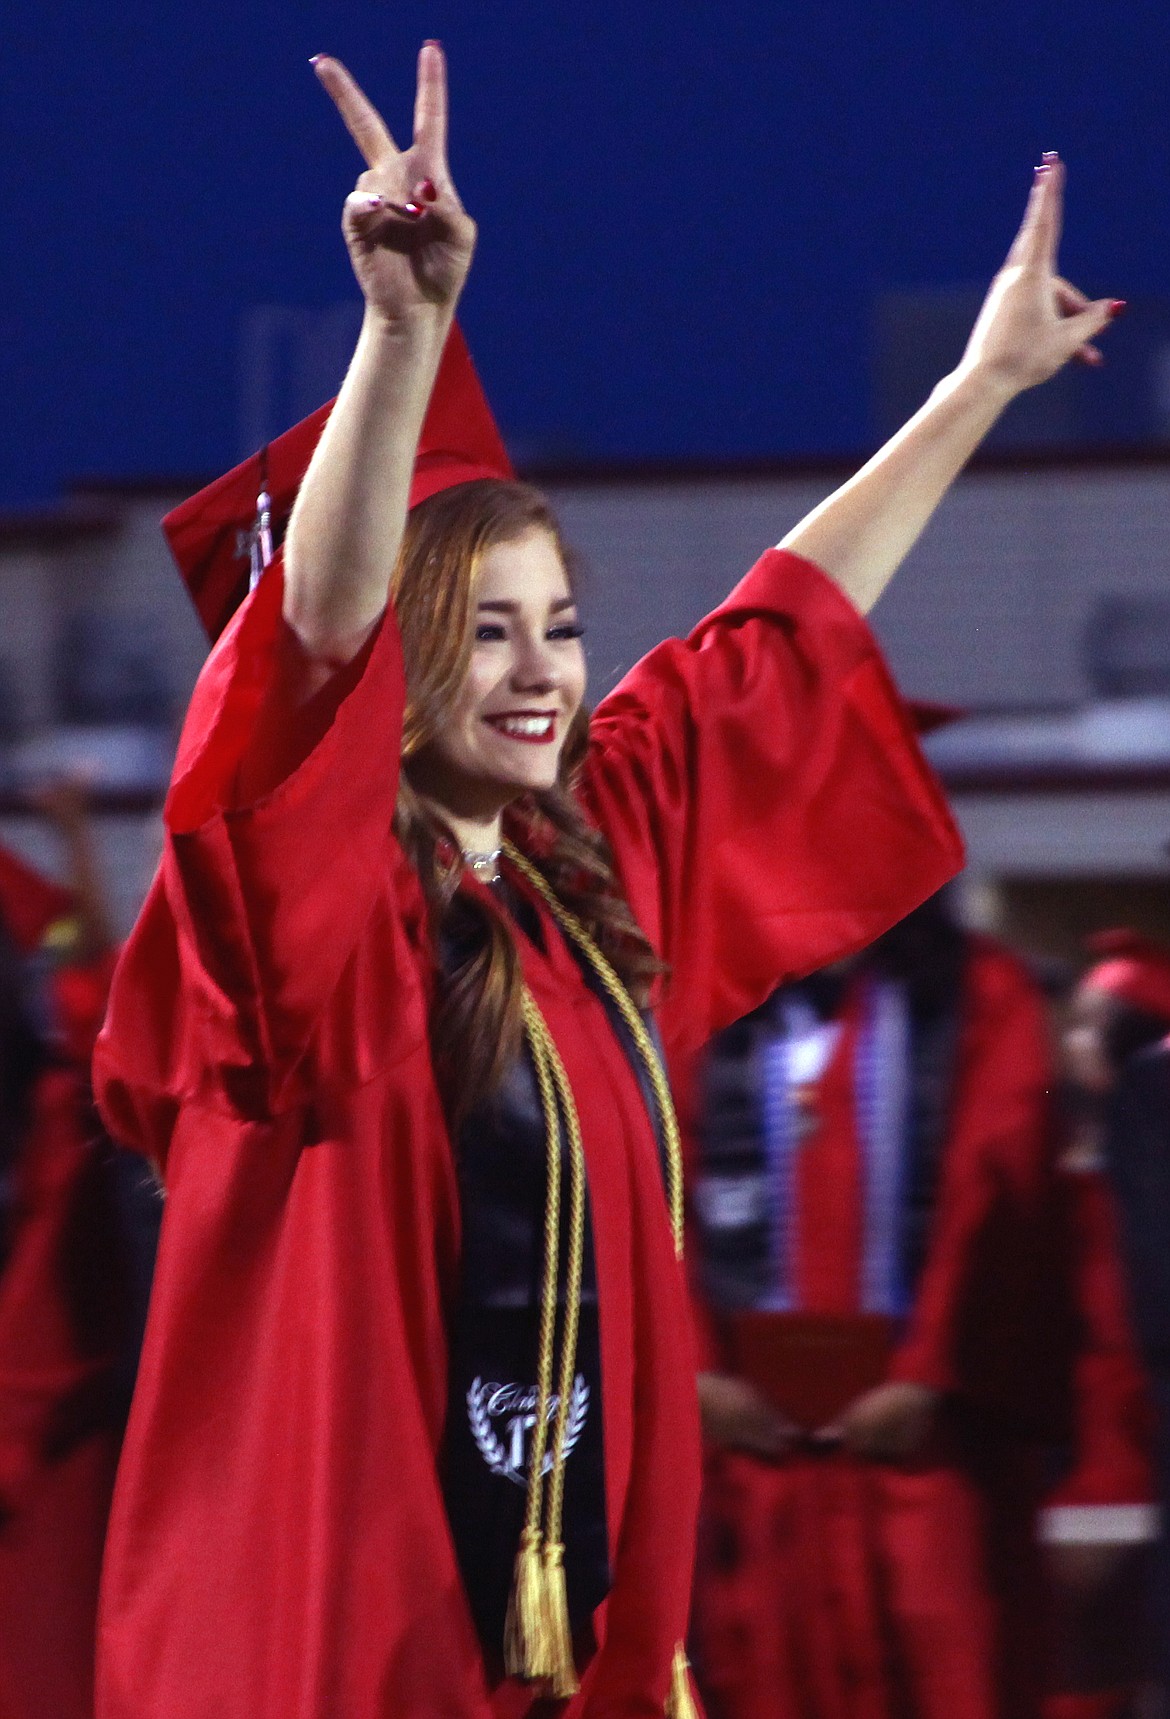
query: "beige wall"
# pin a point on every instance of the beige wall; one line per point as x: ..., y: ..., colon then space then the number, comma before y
x: 989, y: 611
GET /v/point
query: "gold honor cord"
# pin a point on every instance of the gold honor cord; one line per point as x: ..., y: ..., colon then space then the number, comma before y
x: 546, y: 1645
x: 537, y: 1638
x: 526, y: 1648
x: 643, y: 1043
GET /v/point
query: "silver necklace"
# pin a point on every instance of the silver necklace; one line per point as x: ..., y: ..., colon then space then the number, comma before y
x: 487, y: 862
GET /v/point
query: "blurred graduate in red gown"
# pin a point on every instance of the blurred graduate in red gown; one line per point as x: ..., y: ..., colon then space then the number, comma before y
x: 1101, y: 1527
x: 70, y: 1290
x: 904, y: 1111
x: 876, y: 1211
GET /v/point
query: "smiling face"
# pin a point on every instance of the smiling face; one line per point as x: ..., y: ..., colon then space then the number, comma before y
x: 504, y: 731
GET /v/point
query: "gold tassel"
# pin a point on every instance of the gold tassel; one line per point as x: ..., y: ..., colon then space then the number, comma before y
x: 562, y: 1670
x: 680, y: 1703
x: 527, y: 1649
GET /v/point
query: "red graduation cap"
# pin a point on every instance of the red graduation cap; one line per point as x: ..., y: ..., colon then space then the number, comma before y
x: 29, y: 903
x: 214, y: 535
x: 1133, y: 968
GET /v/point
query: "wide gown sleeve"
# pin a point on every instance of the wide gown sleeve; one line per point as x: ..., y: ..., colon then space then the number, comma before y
x: 763, y: 792
x: 257, y: 907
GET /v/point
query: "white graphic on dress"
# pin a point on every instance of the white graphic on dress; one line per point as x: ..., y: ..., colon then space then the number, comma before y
x: 514, y: 1406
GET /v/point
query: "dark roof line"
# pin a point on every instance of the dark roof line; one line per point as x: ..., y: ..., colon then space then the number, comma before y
x: 1018, y: 779
x: 83, y: 515
x: 47, y: 528
x: 587, y: 473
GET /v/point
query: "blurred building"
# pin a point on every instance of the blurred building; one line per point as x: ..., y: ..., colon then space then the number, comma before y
x: 920, y: 335
x: 1037, y: 601
x: 96, y: 660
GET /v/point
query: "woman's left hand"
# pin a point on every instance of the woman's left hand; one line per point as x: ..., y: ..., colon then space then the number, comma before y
x: 1032, y: 321
x: 891, y: 1423
x: 1031, y: 324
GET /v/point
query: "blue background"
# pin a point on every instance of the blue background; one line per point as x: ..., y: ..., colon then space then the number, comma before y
x: 687, y: 212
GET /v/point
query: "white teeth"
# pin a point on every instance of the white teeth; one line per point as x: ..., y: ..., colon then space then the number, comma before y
x: 524, y: 726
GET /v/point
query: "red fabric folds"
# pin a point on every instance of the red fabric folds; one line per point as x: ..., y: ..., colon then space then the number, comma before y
x: 278, y: 1543
x: 764, y: 793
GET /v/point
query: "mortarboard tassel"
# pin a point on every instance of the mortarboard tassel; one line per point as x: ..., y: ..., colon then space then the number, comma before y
x: 264, y: 507
x: 260, y: 545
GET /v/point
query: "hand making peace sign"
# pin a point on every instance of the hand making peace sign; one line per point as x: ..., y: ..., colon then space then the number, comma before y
x: 1033, y: 321
x: 410, y: 239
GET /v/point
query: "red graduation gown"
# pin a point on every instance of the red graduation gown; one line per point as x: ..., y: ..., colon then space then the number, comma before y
x: 829, y: 1588
x: 279, y: 1544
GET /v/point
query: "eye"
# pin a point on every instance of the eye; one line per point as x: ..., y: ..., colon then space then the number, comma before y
x: 489, y: 633
x: 566, y: 630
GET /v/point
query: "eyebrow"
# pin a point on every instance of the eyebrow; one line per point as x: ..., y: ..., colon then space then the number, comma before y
x: 503, y: 607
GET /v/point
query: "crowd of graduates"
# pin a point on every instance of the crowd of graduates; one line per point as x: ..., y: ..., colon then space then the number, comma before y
x: 965, y: 1525
x: 929, y: 1209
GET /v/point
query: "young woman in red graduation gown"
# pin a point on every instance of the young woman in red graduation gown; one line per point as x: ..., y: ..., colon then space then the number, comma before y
x: 340, y: 998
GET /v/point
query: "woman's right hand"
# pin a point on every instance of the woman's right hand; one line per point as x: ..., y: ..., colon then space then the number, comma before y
x: 410, y: 239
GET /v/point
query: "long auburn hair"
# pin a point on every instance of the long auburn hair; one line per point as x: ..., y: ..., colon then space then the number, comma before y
x: 476, y: 1023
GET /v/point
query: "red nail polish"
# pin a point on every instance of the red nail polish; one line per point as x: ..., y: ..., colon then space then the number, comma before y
x: 414, y: 210
x: 315, y: 59
x: 425, y: 191
x: 1116, y: 306
x: 1042, y: 171
x: 1050, y: 157
x: 432, y: 42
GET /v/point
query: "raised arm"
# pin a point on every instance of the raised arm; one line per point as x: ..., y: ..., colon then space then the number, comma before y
x: 66, y: 805
x: 410, y: 243
x: 1031, y: 324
